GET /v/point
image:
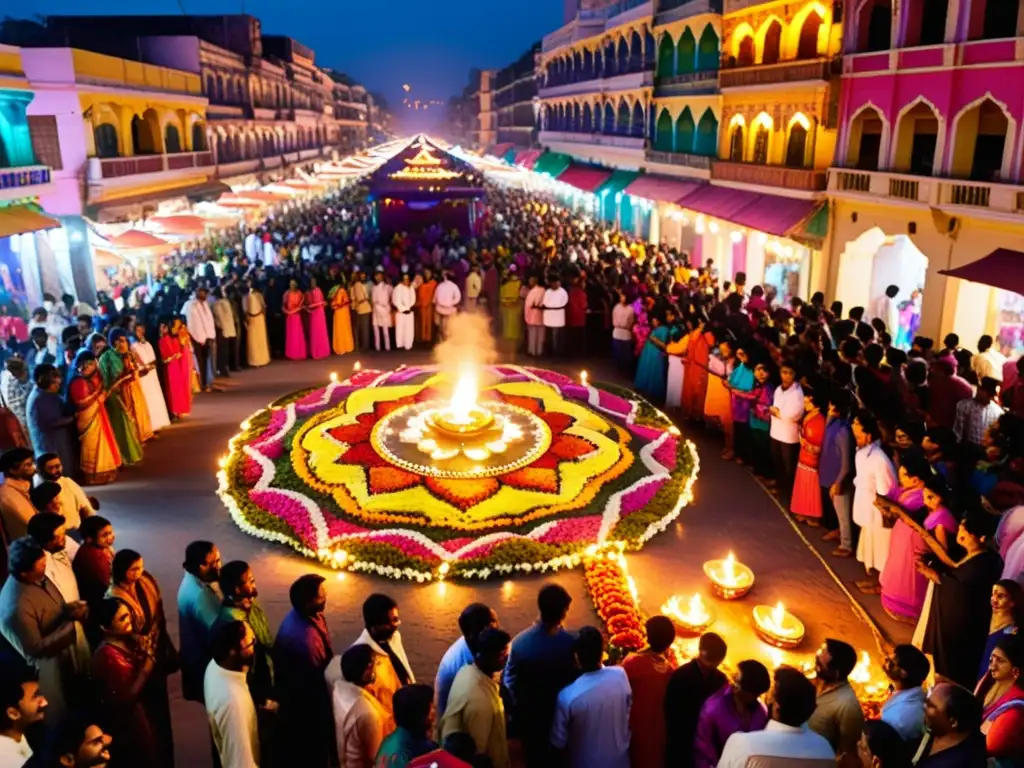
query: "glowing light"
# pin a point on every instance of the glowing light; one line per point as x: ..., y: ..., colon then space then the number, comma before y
x: 695, y: 618
x: 334, y: 377
x: 736, y: 236
x: 222, y: 462
x: 357, y: 366
x: 730, y: 579
x: 713, y: 227
x: 776, y: 626
x: 583, y: 378
x: 340, y: 556
x: 245, y: 424
x: 464, y: 397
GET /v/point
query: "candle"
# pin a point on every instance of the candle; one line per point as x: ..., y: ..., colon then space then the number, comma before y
x: 694, y: 619
x: 334, y: 377
x: 776, y: 626
x: 730, y: 579
x: 583, y: 378
x: 357, y: 366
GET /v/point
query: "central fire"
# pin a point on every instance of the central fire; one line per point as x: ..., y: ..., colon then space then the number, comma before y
x: 464, y: 417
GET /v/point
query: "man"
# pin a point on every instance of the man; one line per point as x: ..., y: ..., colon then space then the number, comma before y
x: 649, y: 673
x: 474, y: 285
x: 198, y: 608
x: 540, y: 664
x: 40, y: 351
x: 43, y: 628
x: 361, y: 311
x: 874, y: 476
x: 229, y: 705
x: 689, y: 687
x: 381, y: 297
x: 555, y: 302
x: 736, y: 708
x: 473, y: 620
x: 623, y: 319
x: 404, y: 299
x: 48, y: 531
x: 835, y: 474
x: 446, y: 303
x: 203, y: 330
x: 227, y: 332
x: 425, y: 307
x: 50, y: 420
x: 533, y: 311
x: 18, y: 468
x: 238, y: 585
x: 907, y: 669
x: 576, y: 317
x: 80, y: 743
x: 22, y: 707
x: 302, y: 651
x: 787, y: 412
x: 92, y: 565
x: 73, y: 503
x: 838, y: 716
x: 989, y: 361
x: 474, y: 704
x: 360, y: 722
x: 886, y: 310
x: 976, y: 414
x: 953, y: 739
x: 945, y: 391
x: 592, y: 714
x: 881, y: 747
x: 15, y: 387
x: 381, y: 623
x: 785, y: 738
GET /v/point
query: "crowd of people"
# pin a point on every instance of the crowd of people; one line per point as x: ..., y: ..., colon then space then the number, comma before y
x: 909, y: 460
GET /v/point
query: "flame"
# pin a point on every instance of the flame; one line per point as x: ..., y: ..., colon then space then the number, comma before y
x: 464, y: 397
x: 695, y: 615
x: 729, y: 571
x: 779, y: 616
x: 862, y: 672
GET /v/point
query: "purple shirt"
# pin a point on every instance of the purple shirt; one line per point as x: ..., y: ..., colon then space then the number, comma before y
x: 718, y: 721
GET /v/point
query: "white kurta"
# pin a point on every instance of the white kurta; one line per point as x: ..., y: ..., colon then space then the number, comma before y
x: 154, y: 394
x: 876, y: 476
x: 404, y: 299
x: 674, y: 393
x: 381, y: 298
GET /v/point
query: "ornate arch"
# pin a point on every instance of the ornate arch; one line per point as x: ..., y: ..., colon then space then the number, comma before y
x: 1010, y: 143
x: 940, y: 140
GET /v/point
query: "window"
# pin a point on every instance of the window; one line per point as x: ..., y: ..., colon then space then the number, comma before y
x: 772, y: 44
x: 198, y: 137
x: 736, y: 144
x: 105, y: 137
x: 797, y: 148
x: 172, y: 139
x: 760, y: 153
x: 45, y: 140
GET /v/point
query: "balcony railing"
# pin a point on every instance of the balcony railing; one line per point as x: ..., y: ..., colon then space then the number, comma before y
x: 117, y: 167
x: 782, y: 72
x: 601, y: 139
x: 799, y: 179
x: 930, y: 191
x: 687, y: 159
x: 669, y: 12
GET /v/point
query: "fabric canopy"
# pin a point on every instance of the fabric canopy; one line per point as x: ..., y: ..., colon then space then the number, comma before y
x: 19, y: 219
x: 552, y: 164
x: 179, y: 225
x: 775, y: 214
x: 814, y: 229
x: 136, y: 238
x: 661, y: 189
x: 617, y: 182
x: 719, y: 202
x: 1003, y: 268
x: 499, y: 150
x: 584, y: 177
x: 527, y: 158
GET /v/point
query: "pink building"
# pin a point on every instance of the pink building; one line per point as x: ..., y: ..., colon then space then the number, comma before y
x: 929, y: 161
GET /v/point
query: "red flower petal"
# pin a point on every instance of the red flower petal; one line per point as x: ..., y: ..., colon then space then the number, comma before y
x: 355, y: 433
x: 387, y: 479
x: 533, y: 479
x: 362, y: 454
x: 558, y: 422
x: 570, y: 447
x: 526, y: 403
x: 463, y: 492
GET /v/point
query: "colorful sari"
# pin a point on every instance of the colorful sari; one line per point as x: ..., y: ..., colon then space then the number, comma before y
x: 294, y: 335
x: 903, y: 588
x: 119, y: 407
x: 652, y: 369
x: 135, y: 395
x: 342, y: 341
x: 511, y: 310
x: 319, y: 344
x: 806, y: 490
x: 100, y: 456
x: 695, y: 374
x: 114, y: 671
x: 718, y: 401
x: 177, y: 377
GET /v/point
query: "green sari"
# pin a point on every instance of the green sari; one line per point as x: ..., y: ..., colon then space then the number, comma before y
x: 126, y: 432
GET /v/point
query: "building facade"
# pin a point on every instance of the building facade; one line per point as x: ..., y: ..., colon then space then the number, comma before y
x: 515, y: 94
x: 485, y: 124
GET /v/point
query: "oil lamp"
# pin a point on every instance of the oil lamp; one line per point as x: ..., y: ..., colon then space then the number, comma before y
x: 777, y: 626
x: 691, y: 620
x: 730, y: 579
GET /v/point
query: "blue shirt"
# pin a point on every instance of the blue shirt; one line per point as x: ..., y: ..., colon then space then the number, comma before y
x: 455, y: 658
x: 836, y: 461
x: 592, y: 719
x: 539, y: 665
x: 198, y: 609
x: 904, y: 711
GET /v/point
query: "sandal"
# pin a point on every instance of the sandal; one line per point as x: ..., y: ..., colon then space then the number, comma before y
x: 842, y: 552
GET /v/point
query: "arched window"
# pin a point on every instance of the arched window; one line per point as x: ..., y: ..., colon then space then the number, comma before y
x: 707, y: 50
x: 636, y: 52
x: 172, y: 139
x: 609, y: 59
x: 687, y: 55
x: 609, y: 119
x: 636, y: 128
x: 105, y: 137
x: 865, y: 141
x: 807, y: 48
x: 796, y: 150
x: 707, y: 134
x: 736, y: 144
x: 772, y: 43
x: 623, y: 120
x: 588, y: 119
x: 684, y: 131
x: 666, y: 56
x: 198, y: 137
x: 874, y: 26
x: 760, y: 153
x: 649, y: 49
x: 745, y: 52
x: 663, y: 132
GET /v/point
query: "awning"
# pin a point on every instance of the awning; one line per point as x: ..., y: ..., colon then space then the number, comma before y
x: 1003, y: 268
x: 775, y: 214
x: 19, y: 219
x: 661, y: 189
x: 179, y: 225
x: 132, y: 207
x: 527, y: 158
x: 136, y: 238
x: 552, y: 164
x: 499, y: 150
x: 617, y: 182
x: 584, y: 177
x: 813, y: 230
x: 211, y: 190
x: 719, y: 202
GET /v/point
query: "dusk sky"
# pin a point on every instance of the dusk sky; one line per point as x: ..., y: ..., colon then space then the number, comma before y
x: 430, y: 44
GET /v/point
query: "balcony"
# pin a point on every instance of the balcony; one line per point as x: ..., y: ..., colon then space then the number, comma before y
x: 598, y: 139
x: 684, y: 10
x: 599, y: 84
x: 101, y: 168
x: 796, y: 179
x: 954, y: 195
x: 770, y: 74
x: 25, y: 181
x: 683, y: 159
x: 687, y: 84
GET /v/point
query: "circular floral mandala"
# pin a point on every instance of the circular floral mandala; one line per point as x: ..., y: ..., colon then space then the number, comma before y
x: 320, y: 470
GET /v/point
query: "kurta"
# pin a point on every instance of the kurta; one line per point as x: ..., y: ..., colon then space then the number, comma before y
x: 51, y: 427
x: 404, y: 300
x: 177, y: 375
x: 295, y: 337
x: 875, y: 476
x: 342, y: 341
x: 120, y: 407
x: 99, y: 456
x: 256, y: 348
x: 150, y: 382
x: 319, y: 344
x: 806, y: 489
x: 381, y: 296
x: 648, y: 674
x: 511, y: 310
x: 425, y: 311
x: 474, y: 707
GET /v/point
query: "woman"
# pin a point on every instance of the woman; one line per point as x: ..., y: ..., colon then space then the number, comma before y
x: 295, y: 337
x: 99, y: 458
x: 652, y: 369
x: 1001, y: 693
x: 762, y: 397
x: 511, y: 299
x: 806, y: 503
x: 695, y: 373
x: 960, y: 612
x: 342, y: 341
x: 741, y: 387
x: 176, y: 370
x: 717, y: 403
x: 120, y: 672
x: 145, y: 359
x: 676, y: 351
x: 1007, y: 616
x: 257, y: 352
x: 120, y: 402
x: 319, y: 344
x: 919, y: 495
x: 133, y: 388
x: 138, y: 590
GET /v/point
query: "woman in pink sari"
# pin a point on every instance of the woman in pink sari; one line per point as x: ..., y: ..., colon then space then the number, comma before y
x: 319, y: 343
x: 177, y: 372
x: 294, y: 335
x: 920, y: 496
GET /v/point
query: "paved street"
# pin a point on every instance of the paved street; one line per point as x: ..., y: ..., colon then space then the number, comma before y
x: 170, y: 500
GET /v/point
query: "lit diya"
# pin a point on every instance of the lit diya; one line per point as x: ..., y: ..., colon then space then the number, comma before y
x: 777, y: 626
x: 692, y: 620
x: 730, y: 580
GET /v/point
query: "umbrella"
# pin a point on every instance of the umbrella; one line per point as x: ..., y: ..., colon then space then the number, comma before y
x: 136, y: 238
x: 179, y: 225
x: 1003, y: 268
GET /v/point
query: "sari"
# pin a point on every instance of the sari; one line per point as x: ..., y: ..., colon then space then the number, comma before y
x: 120, y: 408
x: 136, y: 396
x: 806, y: 490
x: 295, y: 337
x: 319, y: 345
x: 652, y: 369
x: 511, y: 310
x: 425, y: 311
x: 99, y: 457
x: 342, y: 341
x: 695, y: 374
x: 177, y: 376
x: 904, y: 590
x: 257, y: 350
x: 114, y: 670
x: 1002, y: 724
x: 150, y: 381
x: 718, y: 401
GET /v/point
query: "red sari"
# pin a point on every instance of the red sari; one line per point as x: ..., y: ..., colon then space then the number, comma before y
x: 177, y: 371
x: 113, y: 671
x: 695, y: 376
x: 806, y: 490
